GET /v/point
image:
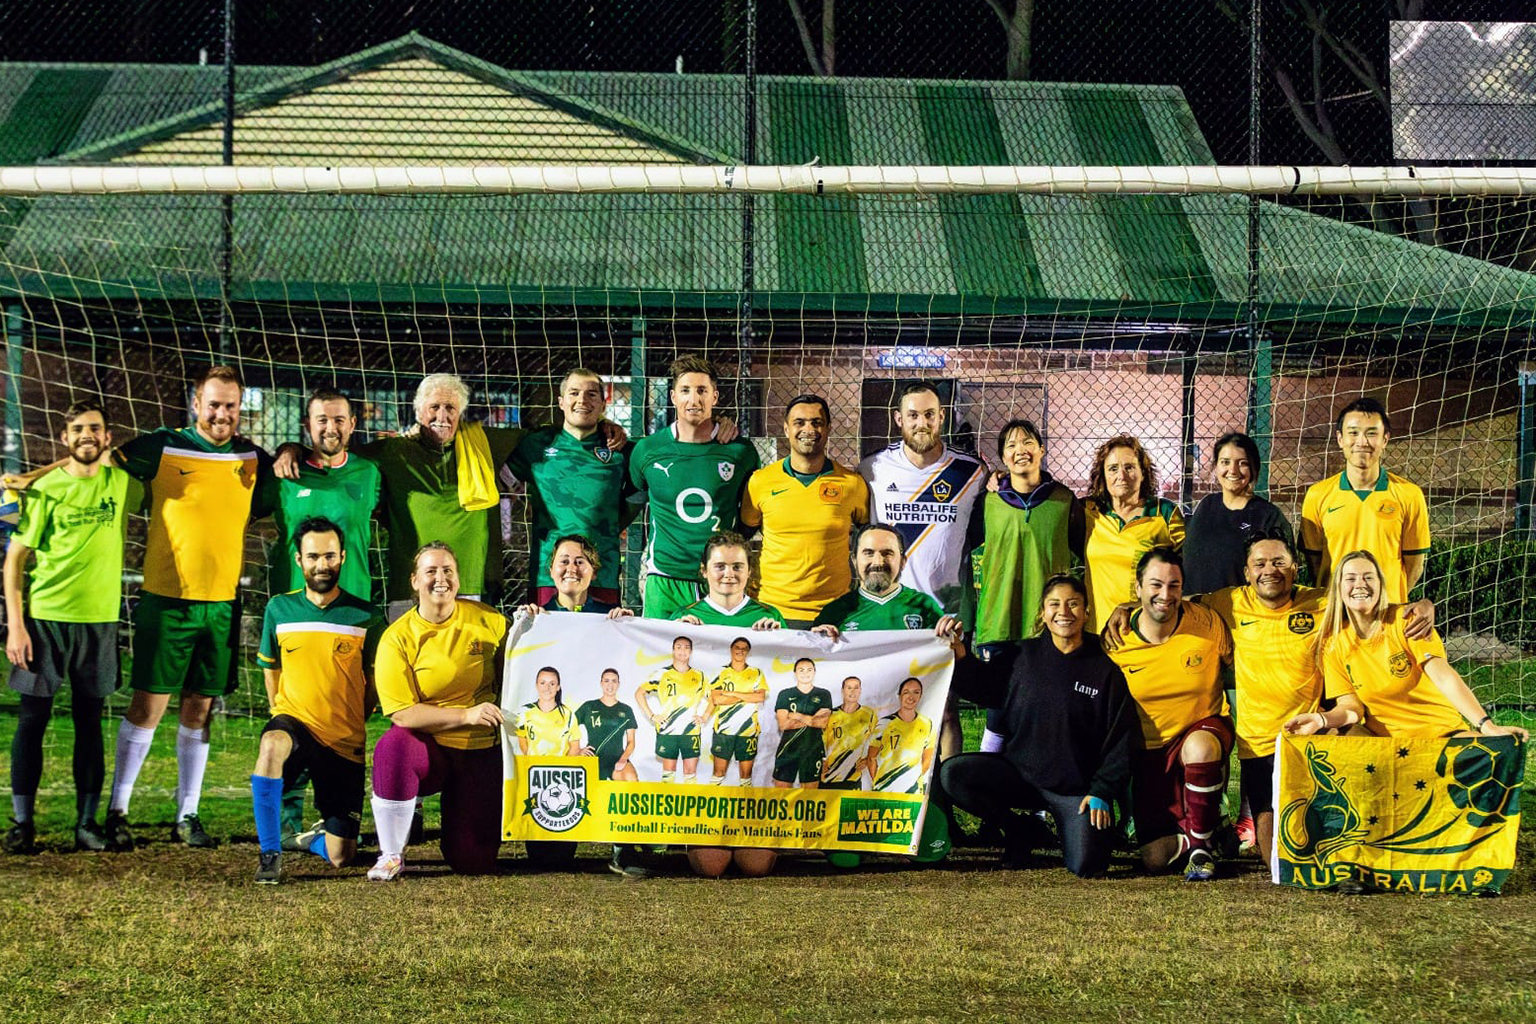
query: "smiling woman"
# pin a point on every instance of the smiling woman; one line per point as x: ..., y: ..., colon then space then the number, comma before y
x: 1123, y: 518
x: 1222, y: 524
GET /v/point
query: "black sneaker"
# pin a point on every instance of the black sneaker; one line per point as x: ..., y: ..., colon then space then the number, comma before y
x: 270, y: 870
x: 189, y: 830
x: 119, y: 837
x: 1355, y: 887
x: 90, y: 836
x: 21, y: 837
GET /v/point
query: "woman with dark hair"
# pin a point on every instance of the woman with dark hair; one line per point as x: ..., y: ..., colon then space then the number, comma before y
x: 1071, y: 727
x: 1123, y: 519
x: 1031, y: 528
x: 1217, y: 533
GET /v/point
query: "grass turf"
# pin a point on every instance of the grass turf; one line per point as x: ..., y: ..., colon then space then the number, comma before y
x: 171, y: 933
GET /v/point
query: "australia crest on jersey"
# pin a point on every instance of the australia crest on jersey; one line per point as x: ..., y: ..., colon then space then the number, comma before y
x: 727, y: 470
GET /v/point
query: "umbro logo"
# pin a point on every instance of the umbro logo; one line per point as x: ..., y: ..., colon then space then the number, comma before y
x: 550, y: 453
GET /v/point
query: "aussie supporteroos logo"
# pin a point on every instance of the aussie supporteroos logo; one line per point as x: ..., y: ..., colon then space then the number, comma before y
x: 557, y: 796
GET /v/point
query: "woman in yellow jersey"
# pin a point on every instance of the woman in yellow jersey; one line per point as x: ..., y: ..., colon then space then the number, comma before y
x: 546, y: 726
x: 1123, y: 519
x: 437, y: 673
x: 902, y: 753
x: 1379, y: 678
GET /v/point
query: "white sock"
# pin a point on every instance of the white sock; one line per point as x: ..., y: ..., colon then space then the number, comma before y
x: 689, y: 780
x: 717, y: 780
x: 992, y: 742
x: 744, y: 780
x: 127, y: 762
x: 667, y: 776
x: 392, y: 820
x: 191, y: 764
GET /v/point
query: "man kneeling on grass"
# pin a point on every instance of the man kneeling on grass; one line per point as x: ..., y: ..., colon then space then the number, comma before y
x: 316, y: 654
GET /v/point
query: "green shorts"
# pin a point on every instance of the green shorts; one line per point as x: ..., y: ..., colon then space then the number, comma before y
x: 185, y: 646
x: 733, y: 748
x: 663, y: 597
x: 804, y: 767
x: 671, y: 748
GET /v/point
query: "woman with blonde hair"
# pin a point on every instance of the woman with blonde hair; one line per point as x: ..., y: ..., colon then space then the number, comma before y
x: 1380, y: 679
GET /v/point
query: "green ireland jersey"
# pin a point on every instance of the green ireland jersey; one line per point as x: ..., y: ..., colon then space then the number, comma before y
x: 800, y: 742
x: 576, y: 485
x: 1024, y: 547
x: 746, y: 613
x: 346, y: 494
x: 421, y: 504
x: 904, y: 608
x: 75, y: 525
x: 605, y: 726
x: 692, y: 490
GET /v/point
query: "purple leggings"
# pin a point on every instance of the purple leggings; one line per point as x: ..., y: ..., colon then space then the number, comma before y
x: 408, y: 764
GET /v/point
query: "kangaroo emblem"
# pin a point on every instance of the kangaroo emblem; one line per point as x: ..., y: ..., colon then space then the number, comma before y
x: 1316, y: 827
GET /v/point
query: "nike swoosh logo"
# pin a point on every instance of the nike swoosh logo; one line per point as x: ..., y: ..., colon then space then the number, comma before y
x: 1133, y: 671
x: 529, y: 648
x: 645, y: 660
x: 919, y: 669
x: 186, y: 472
x: 290, y: 650
x: 781, y: 490
x: 1333, y: 509
x: 1246, y: 622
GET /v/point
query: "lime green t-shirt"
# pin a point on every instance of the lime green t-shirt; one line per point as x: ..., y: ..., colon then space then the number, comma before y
x: 76, y: 527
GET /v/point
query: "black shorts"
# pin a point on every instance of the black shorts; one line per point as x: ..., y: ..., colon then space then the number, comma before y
x: 85, y: 653
x: 1256, y: 781
x: 338, y: 781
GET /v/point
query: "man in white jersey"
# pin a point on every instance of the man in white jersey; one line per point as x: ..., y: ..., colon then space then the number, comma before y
x: 927, y: 491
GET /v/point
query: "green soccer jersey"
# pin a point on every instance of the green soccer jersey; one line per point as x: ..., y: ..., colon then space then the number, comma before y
x: 575, y: 486
x: 805, y: 739
x: 904, y: 608
x: 605, y: 726
x: 76, y: 527
x: 421, y: 504
x: 1024, y: 547
x: 692, y: 490
x: 346, y: 495
x: 746, y: 613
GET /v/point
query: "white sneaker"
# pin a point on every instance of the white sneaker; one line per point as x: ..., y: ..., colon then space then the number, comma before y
x: 387, y: 868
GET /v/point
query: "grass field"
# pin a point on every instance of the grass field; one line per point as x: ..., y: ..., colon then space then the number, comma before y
x: 167, y: 933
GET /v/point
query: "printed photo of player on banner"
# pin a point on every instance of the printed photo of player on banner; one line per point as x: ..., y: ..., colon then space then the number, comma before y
x: 646, y: 731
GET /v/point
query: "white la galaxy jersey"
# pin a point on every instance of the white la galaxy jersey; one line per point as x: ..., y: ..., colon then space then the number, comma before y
x: 931, y: 509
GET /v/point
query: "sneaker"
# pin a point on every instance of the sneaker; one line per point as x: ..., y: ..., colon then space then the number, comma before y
x: 189, y: 830
x: 303, y: 840
x: 1202, y: 867
x: 21, y: 837
x: 119, y: 838
x: 91, y: 836
x: 621, y: 864
x: 387, y: 868
x: 418, y: 833
x: 269, y: 871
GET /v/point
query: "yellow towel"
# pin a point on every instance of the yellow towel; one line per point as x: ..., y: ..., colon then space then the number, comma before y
x: 477, y: 477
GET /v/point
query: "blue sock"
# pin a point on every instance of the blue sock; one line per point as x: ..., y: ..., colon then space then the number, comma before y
x: 267, y: 802
x: 317, y: 847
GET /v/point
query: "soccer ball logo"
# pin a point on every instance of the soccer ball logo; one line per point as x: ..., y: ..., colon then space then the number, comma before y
x: 557, y: 796
x: 1475, y: 772
x: 557, y: 799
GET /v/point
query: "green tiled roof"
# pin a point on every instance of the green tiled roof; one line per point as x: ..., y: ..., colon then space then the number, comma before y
x: 1135, y: 255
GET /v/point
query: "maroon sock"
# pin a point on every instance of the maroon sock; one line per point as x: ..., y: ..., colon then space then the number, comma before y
x: 1204, y: 784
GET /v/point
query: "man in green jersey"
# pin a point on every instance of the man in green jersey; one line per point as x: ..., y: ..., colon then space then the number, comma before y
x: 576, y: 485
x: 880, y: 601
x: 66, y: 625
x: 802, y: 711
x: 335, y: 484
x: 693, y: 484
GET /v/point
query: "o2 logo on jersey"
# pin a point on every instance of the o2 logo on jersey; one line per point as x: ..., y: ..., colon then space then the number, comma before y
x: 704, y: 512
x: 1300, y: 623
x: 557, y: 796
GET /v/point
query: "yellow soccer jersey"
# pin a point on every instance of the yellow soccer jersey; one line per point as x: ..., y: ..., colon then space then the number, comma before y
x: 804, y: 563
x: 1390, y: 521
x: 449, y: 664
x: 1273, y: 660
x: 1112, y: 547
x: 1178, y: 682
x: 1387, y: 673
x: 547, y: 732
x: 738, y: 719
x: 680, y: 696
x: 846, y: 738
x: 899, y: 751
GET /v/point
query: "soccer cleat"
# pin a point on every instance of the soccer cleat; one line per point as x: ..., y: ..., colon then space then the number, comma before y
x: 621, y: 864
x: 91, y: 836
x: 269, y: 871
x: 387, y: 868
x: 119, y: 838
x: 190, y: 830
x: 303, y: 840
x: 1202, y: 867
x: 21, y: 837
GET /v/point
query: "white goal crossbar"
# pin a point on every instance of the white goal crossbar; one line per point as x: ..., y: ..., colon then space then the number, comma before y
x: 799, y: 179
